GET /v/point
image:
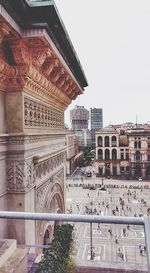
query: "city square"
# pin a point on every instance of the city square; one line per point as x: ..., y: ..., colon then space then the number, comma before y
x: 118, y: 246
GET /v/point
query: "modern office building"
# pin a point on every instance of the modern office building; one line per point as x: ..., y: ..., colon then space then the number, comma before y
x: 96, y: 122
x: 96, y: 118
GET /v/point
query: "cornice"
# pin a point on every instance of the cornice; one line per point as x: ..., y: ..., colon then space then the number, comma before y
x: 30, y: 63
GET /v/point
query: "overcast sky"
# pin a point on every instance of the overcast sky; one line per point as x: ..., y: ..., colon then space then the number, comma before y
x: 112, y: 41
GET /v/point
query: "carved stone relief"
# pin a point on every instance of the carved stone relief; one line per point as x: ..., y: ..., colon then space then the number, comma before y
x: 48, y: 165
x: 38, y: 115
x: 19, y: 175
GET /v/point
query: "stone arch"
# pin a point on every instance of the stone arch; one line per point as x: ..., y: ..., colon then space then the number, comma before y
x: 52, y: 202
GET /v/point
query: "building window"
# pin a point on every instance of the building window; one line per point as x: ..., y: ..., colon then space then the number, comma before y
x: 107, y: 154
x: 127, y: 156
x: 114, y: 154
x: 100, y: 154
x: 114, y: 141
x: 100, y: 141
x: 135, y: 144
x: 122, y: 156
x: 106, y: 141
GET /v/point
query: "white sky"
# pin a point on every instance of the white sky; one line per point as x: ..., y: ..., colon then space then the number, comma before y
x: 112, y: 41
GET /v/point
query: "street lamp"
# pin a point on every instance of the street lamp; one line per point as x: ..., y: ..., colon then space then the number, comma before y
x: 91, y: 242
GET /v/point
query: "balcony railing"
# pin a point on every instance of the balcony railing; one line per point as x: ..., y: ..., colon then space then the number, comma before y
x: 144, y: 221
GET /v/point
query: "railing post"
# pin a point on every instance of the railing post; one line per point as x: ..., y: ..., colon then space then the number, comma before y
x: 147, y: 240
x: 91, y: 241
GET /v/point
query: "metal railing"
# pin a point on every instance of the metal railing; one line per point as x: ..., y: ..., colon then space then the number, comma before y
x: 144, y: 221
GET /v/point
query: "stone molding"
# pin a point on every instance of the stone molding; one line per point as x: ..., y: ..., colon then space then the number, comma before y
x: 26, y: 139
x: 19, y: 175
x: 39, y: 115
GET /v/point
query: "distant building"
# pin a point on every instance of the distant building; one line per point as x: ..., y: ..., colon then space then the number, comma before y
x: 139, y: 144
x: 96, y: 115
x: 112, y: 153
x: 84, y: 139
x: 96, y: 119
x: 73, y: 156
x: 72, y: 151
x: 79, y: 117
x: 123, y: 154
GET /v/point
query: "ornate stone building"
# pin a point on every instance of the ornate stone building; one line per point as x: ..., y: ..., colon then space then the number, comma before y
x: 112, y: 153
x: 123, y: 152
x: 139, y: 143
x: 40, y: 75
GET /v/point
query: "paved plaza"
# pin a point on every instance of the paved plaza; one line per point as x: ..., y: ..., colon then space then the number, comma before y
x: 118, y: 246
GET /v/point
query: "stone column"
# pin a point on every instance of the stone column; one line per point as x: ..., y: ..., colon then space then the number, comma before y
x: 20, y: 189
x: 118, y: 169
x: 110, y: 151
x: 111, y: 169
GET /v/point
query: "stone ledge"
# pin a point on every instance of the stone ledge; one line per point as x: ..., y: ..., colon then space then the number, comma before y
x: 7, y: 248
x: 17, y: 263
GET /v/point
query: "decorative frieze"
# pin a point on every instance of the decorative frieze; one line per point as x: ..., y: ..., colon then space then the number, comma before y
x: 47, y: 166
x: 19, y: 175
x: 39, y: 115
x: 28, y: 139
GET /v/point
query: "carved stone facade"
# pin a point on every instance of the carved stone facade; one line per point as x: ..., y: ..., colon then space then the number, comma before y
x: 38, y: 80
x: 39, y: 115
x: 19, y: 176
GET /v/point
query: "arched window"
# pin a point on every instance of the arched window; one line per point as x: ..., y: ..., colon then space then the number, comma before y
x: 100, y: 154
x: 114, y: 141
x: 135, y: 144
x: 114, y: 154
x: 100, y: 141
x: 107, y: 154
x: 106, y: 141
